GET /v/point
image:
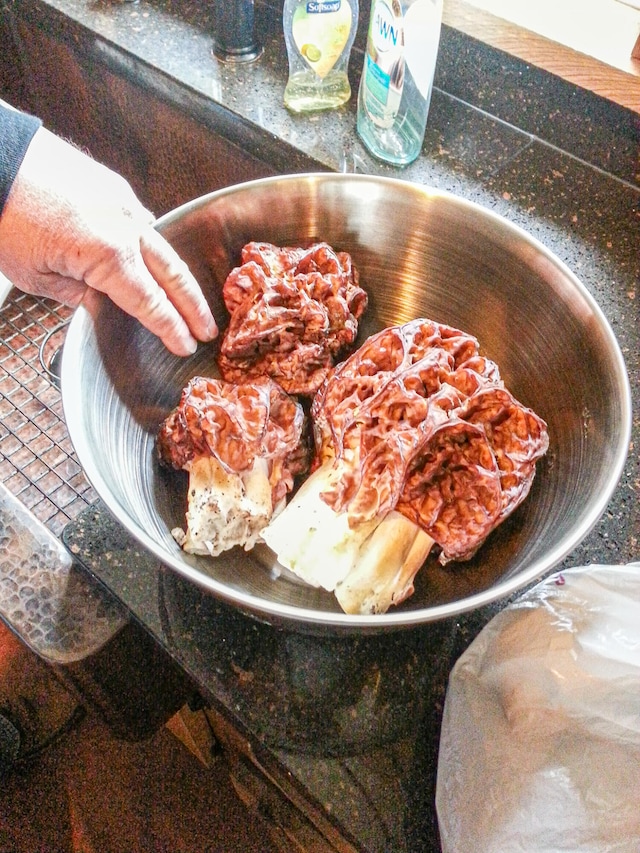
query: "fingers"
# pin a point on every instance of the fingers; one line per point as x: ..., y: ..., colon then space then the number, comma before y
x: 176, y: 280
x: 145, y: 277
x: 132, y: 287
x: 70, y: 222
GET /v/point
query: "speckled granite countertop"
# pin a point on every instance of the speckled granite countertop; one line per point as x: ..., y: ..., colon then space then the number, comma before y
x: 560, y: 163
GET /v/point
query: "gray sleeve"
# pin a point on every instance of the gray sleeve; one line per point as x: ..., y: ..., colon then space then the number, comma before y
x: 17, y: 129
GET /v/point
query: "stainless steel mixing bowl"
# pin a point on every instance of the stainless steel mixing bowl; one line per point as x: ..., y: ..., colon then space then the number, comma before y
x: 420, y: 253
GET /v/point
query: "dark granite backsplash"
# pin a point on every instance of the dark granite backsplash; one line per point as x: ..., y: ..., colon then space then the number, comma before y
x: 577, y: 121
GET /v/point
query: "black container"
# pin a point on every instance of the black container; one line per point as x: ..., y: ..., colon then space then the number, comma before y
x: 234, y: 38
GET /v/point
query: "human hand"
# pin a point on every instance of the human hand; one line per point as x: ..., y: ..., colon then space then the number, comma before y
x: 70, y: 224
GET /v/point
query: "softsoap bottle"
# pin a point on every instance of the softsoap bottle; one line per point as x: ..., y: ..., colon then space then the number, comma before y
x: 397, y: 78
x: 319, y: 36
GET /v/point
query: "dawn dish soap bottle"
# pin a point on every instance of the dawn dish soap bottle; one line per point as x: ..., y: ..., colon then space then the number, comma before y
x: 397, y: 78
x: 319, y: 36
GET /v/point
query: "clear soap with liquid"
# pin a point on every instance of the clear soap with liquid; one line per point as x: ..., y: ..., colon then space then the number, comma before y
x: 319, y: 36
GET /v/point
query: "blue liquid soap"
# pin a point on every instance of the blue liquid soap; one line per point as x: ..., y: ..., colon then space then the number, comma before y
x: 397, y: 78
x: 319, y: 36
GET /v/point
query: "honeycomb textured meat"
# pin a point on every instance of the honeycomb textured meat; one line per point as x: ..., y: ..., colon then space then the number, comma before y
x: 293, y: 312
x: 242, y: 446
x: 236, y: 424
x: 417, y: 420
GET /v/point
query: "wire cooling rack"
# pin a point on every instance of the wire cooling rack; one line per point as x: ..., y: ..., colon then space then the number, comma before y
x: 37, y: 461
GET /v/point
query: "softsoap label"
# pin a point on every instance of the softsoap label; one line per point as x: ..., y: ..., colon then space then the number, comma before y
x: 321, y: 32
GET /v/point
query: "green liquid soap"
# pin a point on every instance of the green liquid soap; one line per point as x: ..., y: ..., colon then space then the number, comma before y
x: 319, y: 36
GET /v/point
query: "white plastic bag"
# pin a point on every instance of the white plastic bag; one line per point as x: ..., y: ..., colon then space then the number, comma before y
x: 540, y: 741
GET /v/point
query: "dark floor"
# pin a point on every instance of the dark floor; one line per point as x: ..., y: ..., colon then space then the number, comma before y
x: 92, y: 793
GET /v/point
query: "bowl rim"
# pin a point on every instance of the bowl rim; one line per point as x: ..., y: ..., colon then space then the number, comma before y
x: 277, y: 612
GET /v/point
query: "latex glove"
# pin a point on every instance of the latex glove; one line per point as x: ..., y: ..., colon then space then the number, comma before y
x: 71, y: 223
